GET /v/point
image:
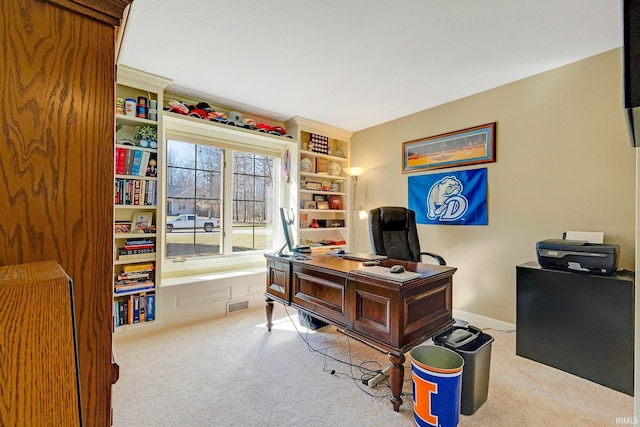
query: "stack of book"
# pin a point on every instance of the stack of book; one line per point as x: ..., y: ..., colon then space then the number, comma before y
x: 134, y: 278
x: 136, y: 248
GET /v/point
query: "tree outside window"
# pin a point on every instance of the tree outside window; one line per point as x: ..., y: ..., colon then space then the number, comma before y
x: 195, y: 177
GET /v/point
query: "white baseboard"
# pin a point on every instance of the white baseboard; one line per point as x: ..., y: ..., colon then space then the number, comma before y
x: 483, y: 322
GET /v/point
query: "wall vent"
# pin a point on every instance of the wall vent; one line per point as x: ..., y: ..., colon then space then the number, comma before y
x: 232, y: 307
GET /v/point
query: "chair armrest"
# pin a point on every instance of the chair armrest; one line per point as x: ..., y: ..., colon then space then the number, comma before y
x: 437, y: 257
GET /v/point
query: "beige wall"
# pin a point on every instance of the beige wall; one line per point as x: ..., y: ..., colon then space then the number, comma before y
x: 564, y: 162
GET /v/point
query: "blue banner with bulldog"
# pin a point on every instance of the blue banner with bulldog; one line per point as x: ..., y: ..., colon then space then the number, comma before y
x: 453, y: 198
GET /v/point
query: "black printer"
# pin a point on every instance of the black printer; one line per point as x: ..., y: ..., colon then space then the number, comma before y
x: 578, y: 255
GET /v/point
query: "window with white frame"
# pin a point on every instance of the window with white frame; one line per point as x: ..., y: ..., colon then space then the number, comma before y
x: 220, y: 197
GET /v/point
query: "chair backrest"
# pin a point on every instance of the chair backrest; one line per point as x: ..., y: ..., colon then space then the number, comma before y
x: 393, y: 233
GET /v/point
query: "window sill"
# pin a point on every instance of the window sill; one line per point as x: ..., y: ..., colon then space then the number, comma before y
x: 195, y: 278
x: 200, y: 270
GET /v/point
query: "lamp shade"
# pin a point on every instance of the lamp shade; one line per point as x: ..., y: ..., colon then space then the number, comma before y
x: 362, y: 214
x: 354, y: 170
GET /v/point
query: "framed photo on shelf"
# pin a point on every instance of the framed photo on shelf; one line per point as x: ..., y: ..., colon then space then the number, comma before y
x: 322, y: 165
x: 319, y: 198
x: 469, y: 146
x: 304, y: 220
x: 310, y: 185
x: 141, y: 221
x: 335, y: 202
x: 310, y: 204
x: 122, y: 227
x: 322, y: 204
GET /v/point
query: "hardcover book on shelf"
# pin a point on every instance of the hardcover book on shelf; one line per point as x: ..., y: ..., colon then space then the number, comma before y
x: 143, y: 267
x: 150, y: 307
x: 123, y: 311
x: 133, y: 276
x: 121, y: 154
x: 138, y: 242
x: 116, y: 318
x: 137, y: 251
x: 128, y: 164
x: 136, y: 192
x: 143, y: 192
x: 137, y: 161
x: 136, y: 309
x: 144, y: 164
x: 133, y: 288
x: 143, y: 304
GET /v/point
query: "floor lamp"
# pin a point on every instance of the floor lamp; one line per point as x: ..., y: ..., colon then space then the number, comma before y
x: 354, y: 172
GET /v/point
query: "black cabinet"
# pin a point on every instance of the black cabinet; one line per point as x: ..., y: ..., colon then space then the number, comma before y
x: 580, y: 323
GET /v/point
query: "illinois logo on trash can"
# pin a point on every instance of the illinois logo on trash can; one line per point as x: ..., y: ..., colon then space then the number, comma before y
x: 437, y: 384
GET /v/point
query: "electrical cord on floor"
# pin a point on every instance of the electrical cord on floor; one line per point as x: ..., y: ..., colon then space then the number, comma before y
x: 366, y: 373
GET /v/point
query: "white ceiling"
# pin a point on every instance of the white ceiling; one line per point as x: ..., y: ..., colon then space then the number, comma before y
x: 358, y: 63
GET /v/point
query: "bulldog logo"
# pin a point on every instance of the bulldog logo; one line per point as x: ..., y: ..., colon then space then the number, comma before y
x: 445, y: 200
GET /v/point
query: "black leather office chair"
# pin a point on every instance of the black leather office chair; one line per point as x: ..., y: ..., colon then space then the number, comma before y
x: 394, y: 234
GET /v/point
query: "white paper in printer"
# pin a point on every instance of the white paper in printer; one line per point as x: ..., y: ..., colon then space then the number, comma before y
x: 587, y: 236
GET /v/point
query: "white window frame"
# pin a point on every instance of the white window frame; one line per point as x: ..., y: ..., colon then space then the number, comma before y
x: 195, y: 130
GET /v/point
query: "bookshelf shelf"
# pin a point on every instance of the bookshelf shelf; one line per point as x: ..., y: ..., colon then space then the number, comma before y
x: 135, y: 121
x: 319, y: 211
x: 151, y: 150
x: 147, y: 178
x: 135, y: 207
x: 322, y: 156
x: 133, y: 235
x: 150, y: 258
x: 319, y: 230
x: 124, y: 294
x: 136, y: 200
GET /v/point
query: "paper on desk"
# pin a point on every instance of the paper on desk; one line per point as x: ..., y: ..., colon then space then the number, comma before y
x: 589, y: 236
x: 384, y: 273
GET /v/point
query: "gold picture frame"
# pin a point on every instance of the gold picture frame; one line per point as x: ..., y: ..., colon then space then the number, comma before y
x: 469, y: 146
x: 322, y: 204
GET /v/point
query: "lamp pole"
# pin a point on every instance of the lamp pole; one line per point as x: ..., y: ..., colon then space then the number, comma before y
x: 354, y: 172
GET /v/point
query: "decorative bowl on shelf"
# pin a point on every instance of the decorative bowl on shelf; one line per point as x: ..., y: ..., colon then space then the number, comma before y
x: 305, y: 165
x: 334, y: 169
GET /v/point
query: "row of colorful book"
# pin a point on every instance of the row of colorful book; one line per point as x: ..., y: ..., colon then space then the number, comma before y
x: 138, y: 192
x: 136, y: 162
x: 135, y: 308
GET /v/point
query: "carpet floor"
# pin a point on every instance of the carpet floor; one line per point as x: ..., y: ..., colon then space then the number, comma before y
x: 231, y: 371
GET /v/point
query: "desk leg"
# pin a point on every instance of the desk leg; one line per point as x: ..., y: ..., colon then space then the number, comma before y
x: 269, y: 314
x: 396, y: 378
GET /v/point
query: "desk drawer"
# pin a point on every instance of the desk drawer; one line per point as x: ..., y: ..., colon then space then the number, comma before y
x: 278, y: 274
x: 401, y: 318
x: 322, y: 294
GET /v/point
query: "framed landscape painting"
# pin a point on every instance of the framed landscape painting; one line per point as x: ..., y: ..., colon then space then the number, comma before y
x: 469, y: 146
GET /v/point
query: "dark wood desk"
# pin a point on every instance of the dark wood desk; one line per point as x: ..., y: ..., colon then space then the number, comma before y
x: 390, y: 316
